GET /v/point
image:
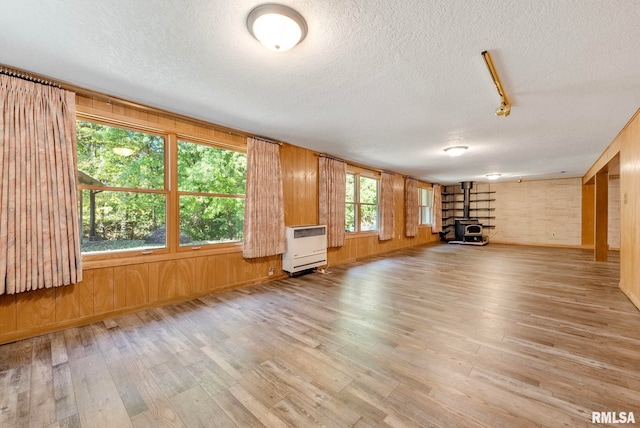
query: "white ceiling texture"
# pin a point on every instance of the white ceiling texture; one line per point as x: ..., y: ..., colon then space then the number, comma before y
x: 386, y: 83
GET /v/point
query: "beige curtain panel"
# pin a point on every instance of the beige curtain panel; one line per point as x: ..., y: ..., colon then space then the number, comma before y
x: 387, y: 208
x: 39, y: 229
x: 264, y: 232
x: 411, y: 207
x: 332, y: 195
x: 436, y: 224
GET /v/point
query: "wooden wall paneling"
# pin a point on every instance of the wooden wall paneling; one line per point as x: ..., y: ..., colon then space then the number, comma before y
x: 588, y: 214
x: 630, y: 209
x: 8, y: 314
x: 300, y: 178
x: 137, y: 279
x: 103, y: 105
x: 118, y: 109
x: 601, y: 242
x: 75, y: 300
x: 222, y: 270
x: 614, y: 212
x: 235, y: 268
x: 35, y: 309
x: 119, y: 287
x: 211, y: 273
x: 185, y: 270
x: 162, y: 280
x: 200, y: 275
x: 83, y: 101
x: 103, y: 290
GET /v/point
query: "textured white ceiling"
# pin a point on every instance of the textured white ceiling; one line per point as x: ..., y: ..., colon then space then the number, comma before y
x: 387, y: 83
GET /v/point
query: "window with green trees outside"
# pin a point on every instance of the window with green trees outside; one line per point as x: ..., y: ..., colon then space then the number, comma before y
x: 361, y: 203
x: 211, y: 185
x: 123, y: 196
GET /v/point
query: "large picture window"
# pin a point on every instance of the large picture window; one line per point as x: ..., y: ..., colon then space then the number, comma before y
x: 143, y: 192
x: 361, y: 203
x: 211, y: 185
x: 123, y: 196
x: 425, y: 206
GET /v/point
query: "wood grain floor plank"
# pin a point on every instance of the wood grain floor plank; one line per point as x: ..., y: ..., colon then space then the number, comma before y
x: 42, y: 403
x: 63, y: 392
x: 197, y: 409
x: 98, y: 401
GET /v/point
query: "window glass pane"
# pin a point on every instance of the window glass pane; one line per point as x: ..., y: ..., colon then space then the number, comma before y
x: 114, y: 221
x: 425, y: 215
x: 428, y: 197
x: 368, y: 190
x: 210, y: 219
x: 207, y: 169
x: 116, y: 157
x: 351, y: 188
x: 368, y: 217
x: 350, y: 221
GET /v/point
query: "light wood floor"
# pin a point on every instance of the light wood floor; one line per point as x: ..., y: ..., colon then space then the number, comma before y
x: 445, y: 335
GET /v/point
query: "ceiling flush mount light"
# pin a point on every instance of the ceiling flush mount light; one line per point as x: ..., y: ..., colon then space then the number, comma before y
x: 277, y: 27
x: 493, y: 176
x: 505, y: 108
x: 456, y: 150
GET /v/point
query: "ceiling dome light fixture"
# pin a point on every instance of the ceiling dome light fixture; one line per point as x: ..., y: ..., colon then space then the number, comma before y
x: 493, y: 176
x: 456, y: 150
x: 277, y: 27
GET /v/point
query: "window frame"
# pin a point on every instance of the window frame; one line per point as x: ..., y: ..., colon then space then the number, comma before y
x: 109, y: 254
x: 192, y: 140
x: 357, y: 204
x: 421, y: 205
x: 170, y: 190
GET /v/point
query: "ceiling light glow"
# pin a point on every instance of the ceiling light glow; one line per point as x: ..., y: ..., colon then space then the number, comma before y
x: 493, y: 176
x: 456, y: 150
x: 277, y: 27
x: 122, y: 151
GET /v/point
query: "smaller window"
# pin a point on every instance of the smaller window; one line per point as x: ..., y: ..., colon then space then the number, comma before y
x: 425, y: 204
x: 361, y: 210
x: 211, y: 188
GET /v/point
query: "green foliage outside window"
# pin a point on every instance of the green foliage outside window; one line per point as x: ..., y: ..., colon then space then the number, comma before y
x: 122, y: 165
x: 123, y: 196
x: 361, y: 203
x: 216, y: 213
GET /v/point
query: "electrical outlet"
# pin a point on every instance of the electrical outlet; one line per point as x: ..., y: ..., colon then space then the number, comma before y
x: 270, y: 270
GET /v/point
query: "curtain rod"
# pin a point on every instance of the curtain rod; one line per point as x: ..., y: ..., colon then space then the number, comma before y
x: 324, y: 155
x: 266, y: 140
x: 28, y: 77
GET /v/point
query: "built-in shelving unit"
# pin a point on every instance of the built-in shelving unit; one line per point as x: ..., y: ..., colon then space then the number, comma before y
x: 480, y: 207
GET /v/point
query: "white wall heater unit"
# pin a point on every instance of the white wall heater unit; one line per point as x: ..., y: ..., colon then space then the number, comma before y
x: 306, y: 248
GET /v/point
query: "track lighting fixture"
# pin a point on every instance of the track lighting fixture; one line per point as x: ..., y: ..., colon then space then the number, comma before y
x: 505, y: 107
